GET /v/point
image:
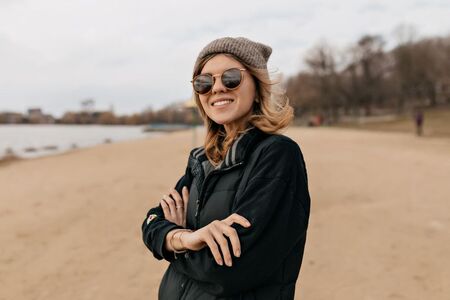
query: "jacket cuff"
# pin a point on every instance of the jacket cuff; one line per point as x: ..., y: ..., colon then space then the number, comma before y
x: 160, y: 248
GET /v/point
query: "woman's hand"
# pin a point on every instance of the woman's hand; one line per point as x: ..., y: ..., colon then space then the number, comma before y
x: 175, y: 207
x: 214, y: 235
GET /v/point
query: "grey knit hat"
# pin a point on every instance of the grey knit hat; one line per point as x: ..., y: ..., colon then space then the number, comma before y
x: 253, y: 53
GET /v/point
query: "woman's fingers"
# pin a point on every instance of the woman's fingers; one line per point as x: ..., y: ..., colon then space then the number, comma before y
x: 235, y: 218
x: 215, y: 234
x: 218, y: 233
x: 209, y: 240
x: 185, y: 193
x: 166, y: 209
x: 171, y: 204
x: 174, y: 206
x: 177, y: 197
x: 179, y: 205
x: 231, y: 233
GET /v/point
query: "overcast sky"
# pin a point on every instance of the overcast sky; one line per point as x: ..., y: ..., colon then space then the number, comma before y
x: 134, y: 54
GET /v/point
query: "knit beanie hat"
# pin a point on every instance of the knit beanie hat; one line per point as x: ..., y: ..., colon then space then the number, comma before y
x: 252, y: 53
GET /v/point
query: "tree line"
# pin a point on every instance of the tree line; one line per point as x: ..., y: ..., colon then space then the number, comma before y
x: 173, y: 114
x: 367, y: 80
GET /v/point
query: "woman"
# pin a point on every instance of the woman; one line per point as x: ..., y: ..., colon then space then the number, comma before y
x: 234, y: 226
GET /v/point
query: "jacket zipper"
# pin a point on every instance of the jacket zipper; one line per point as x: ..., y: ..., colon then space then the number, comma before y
x: 200, y: 199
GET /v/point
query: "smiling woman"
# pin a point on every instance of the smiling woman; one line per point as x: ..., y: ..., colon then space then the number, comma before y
x: 240, y: 212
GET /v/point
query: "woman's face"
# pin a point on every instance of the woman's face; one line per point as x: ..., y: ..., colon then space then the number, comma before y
x: 228, y: 113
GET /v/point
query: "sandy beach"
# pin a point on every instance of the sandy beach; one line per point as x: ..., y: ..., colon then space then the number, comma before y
x: 379, y: 227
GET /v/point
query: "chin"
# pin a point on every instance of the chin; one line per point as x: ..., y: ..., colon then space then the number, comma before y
x: 221, y: 121
x: 225, y: 119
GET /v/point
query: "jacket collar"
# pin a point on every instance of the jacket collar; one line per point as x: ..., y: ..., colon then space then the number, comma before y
x: 237, y: 153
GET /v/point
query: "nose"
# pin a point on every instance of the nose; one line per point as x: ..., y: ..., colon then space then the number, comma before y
x: 218, y: 85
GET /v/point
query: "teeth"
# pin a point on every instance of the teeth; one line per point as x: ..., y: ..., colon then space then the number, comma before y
x: 222, y: 102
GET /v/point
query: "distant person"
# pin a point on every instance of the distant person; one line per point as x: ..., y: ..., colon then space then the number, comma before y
x: 418, y: 118
x: 234, y: 226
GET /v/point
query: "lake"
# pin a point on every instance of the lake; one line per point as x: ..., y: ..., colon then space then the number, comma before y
x: 39, y: 140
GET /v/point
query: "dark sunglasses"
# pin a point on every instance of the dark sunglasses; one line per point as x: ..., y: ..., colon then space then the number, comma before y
x: 231, y: 79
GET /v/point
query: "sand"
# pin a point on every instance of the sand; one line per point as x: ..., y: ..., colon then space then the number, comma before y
x: 379, y: 227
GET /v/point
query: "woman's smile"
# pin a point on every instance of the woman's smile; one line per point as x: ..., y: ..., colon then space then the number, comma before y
x: 221, y: 103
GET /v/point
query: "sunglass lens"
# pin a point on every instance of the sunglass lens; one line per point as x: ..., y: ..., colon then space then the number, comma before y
x: 203, y: 83
x: 231, y: 78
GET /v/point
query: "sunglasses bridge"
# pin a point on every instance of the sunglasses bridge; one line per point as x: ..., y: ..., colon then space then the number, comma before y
x: 220, y: 74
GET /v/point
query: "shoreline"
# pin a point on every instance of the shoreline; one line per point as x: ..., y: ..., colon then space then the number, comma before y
x: 28, y: 141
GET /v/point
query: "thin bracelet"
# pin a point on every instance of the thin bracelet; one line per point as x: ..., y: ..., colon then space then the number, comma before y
x: 172, y: 238
x: 181, y: 234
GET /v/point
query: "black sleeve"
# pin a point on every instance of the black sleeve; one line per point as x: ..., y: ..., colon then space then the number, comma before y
x: 276, y: 202
x: 155, y: 227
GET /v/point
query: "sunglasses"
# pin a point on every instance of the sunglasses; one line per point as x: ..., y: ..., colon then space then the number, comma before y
x: 231, y: 79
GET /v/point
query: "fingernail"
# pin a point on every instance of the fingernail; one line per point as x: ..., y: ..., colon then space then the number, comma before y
x: 238, y: 253
x: 220, y: 263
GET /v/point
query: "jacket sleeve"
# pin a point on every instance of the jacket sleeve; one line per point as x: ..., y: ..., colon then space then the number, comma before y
x: 276, y: 202
x: 155, y: 227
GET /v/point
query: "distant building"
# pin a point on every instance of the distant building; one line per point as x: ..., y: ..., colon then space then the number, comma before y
x: 94, y: 117
x: 36, y: 116
x: 11, y: 118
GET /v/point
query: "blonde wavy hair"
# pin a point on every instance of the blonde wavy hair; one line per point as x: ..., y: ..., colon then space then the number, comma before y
x: 271, y: 112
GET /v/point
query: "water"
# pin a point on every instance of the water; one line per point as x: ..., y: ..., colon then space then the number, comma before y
x: 39, y: 140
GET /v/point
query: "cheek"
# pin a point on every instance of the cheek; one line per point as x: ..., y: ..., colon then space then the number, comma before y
x: 248, y: 94
x: 203, y: 101
x: 206, y: 109
x: 252, y: 95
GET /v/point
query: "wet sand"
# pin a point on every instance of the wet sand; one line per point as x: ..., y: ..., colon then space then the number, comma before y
x: 379, y: 227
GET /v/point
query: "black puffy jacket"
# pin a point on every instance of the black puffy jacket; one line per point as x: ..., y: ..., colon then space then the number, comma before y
x: 263, y: 178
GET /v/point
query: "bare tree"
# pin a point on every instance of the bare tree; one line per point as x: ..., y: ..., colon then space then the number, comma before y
x: 369, y: 66
x: 367, y: 77
x: 322, y: 63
